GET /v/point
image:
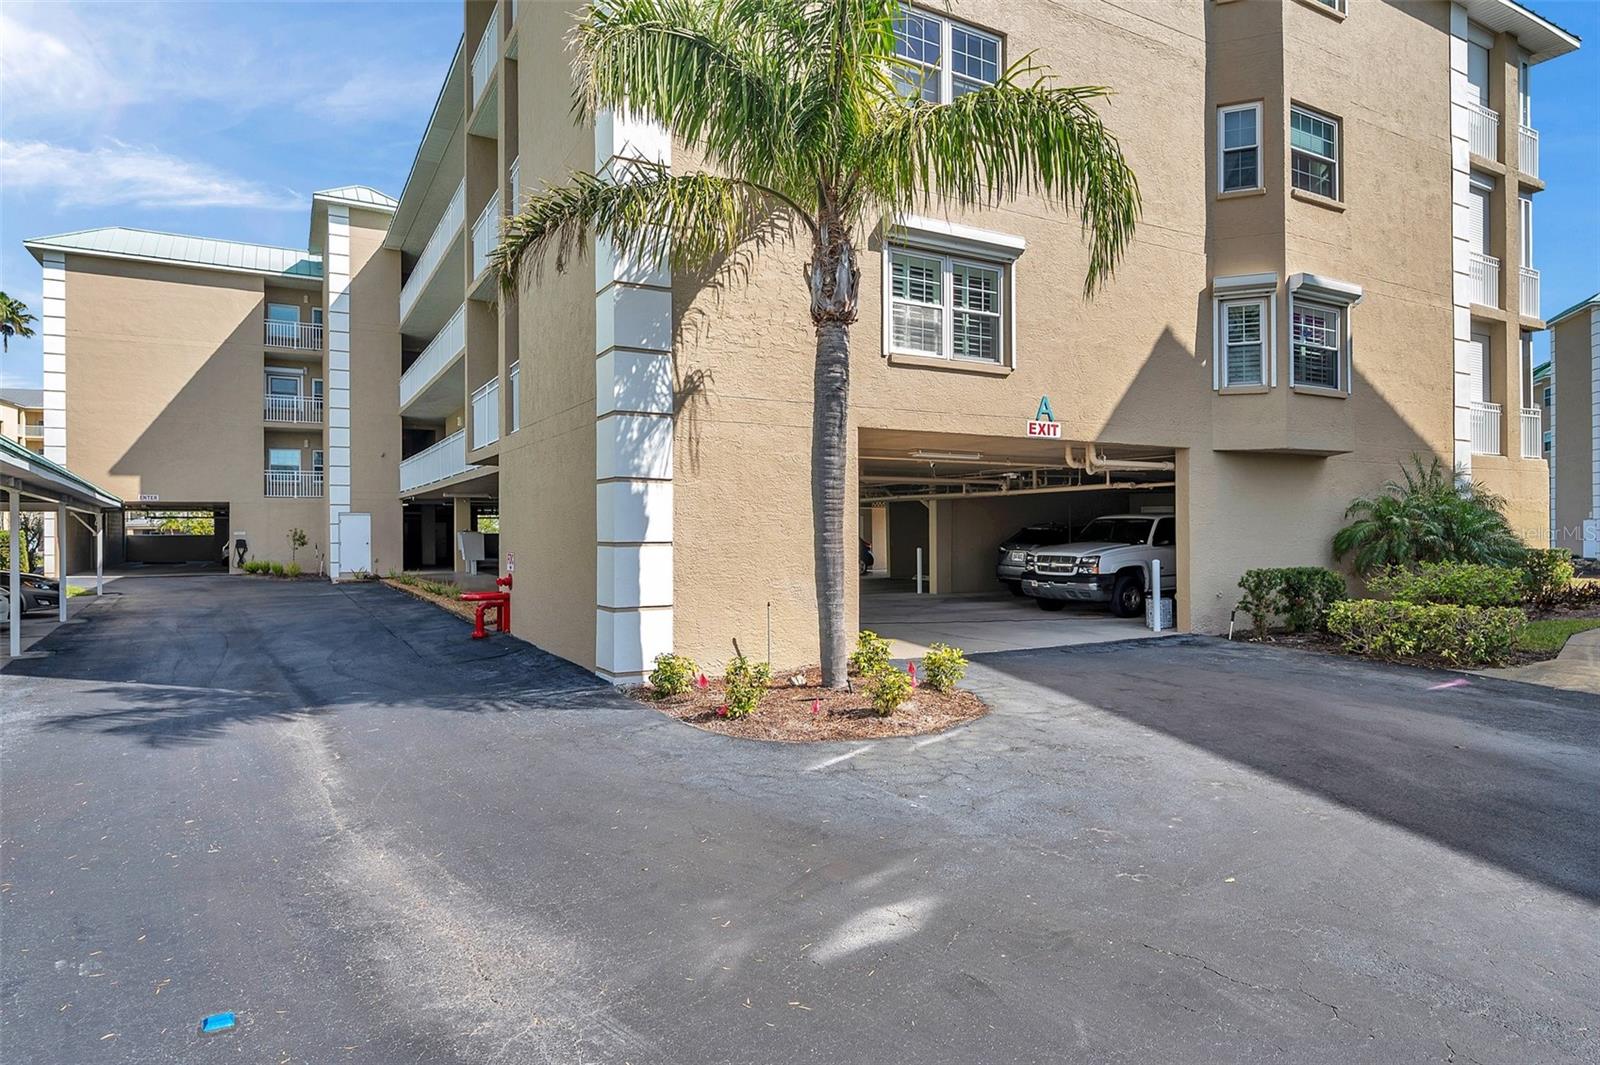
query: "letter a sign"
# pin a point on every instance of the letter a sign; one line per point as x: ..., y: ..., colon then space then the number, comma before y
x: 1044, y: 422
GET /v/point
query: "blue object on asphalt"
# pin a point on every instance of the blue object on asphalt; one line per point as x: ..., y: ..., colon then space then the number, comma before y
x: 218, y: 1022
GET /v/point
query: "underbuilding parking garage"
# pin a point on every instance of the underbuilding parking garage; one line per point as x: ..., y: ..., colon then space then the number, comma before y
x: 936, y: 508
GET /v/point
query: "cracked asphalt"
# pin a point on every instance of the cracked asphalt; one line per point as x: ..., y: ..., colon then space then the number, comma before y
x: 323, y: 807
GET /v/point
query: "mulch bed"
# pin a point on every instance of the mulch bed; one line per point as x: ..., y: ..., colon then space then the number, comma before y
x: 786, y: 715
x: 455, y: 606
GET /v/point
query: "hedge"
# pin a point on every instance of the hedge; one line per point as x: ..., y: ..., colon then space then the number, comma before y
x: 1451, y: 583
x: 1300, y: 594
x: 1461, y: 635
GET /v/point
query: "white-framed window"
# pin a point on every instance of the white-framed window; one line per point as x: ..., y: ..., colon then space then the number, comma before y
x: 1315, y: 346
x: 1314, y: 152
x: 1526, y: 205
x: 316, y: 316
x: 1525, y: 92
x: 949, y: 58
x: 1547, y: 393
x: 1245, y: 340
x: 946, y: 306
x: 283, y: 385
x: 1337, y: 5
x: 283, y: 458
x: 1239, y: 147
x: 316, y: 461
x: 316, y: 388
x: 283, y: 312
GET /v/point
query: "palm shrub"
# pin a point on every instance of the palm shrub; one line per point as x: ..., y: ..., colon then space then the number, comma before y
x: 1432, y: 514
x: 801, y: 112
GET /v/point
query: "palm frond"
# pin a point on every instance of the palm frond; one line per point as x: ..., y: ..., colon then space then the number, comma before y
x: 642, y: 208
x: 987, y: 146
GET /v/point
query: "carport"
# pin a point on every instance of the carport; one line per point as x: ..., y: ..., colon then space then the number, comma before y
x: 936, y: 507
x: 34, y: 484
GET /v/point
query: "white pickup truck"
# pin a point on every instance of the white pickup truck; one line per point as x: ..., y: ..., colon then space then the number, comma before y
x: 1109, y: 562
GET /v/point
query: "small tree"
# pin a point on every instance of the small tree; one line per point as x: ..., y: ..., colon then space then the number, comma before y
x: 297, y: 540
x: 14, y: 320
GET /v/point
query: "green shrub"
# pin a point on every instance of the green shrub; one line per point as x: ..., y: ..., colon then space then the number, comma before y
x: 871, y: 654
x: 255, y: 566
x: 1546, y: 575
x: 1461, y: 635
x: 277, y: 569
x: 673, y: 675
x: 744, y: 684
x: 292, y: 570
x: 888, y: 687
x: 1301, y: 594
x: 1450, y: 583
x: 943, y: 667
x: 1433, y: 514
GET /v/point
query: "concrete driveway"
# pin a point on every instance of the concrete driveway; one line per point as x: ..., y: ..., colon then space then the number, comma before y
x: 983, y: 622
x: 327, y: 809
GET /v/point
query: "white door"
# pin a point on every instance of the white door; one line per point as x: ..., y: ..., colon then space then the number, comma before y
x: 1478, y: 222
x: 355, y: 543
x: 1478, y: 72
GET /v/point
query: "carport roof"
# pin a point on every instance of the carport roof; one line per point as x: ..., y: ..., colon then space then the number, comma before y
x: 34, y: 475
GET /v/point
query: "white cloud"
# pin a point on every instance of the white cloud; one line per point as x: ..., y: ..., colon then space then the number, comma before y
x: 38, y: 69
x: 118, y: 174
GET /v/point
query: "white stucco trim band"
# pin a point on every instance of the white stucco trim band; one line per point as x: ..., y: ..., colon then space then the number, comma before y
x: 1466, y: 359
x: 336, y: 468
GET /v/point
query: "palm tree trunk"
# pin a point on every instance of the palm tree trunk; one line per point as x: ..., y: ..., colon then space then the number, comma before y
x: 830, y: 447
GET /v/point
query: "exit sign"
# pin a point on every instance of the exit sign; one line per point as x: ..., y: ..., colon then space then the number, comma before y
x: 1048, y: 430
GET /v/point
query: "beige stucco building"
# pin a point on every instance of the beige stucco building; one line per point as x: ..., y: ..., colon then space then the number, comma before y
x: 22, y: 417
x: 1332, y: 274
x: 1571, y: 393
x: 248, y: 382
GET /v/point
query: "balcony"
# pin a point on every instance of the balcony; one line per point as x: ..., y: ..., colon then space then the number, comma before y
x: 513, y: 375
x: 294, y: 484
x: 1528, y: 293
x: 1483, y: 131
x: 1532, y: 436
x: 1485, y: 279
x: 486, y: 414
x: 440, y: 462
x: 484, y: 59
x: 1528, y: 151
x: 33, y: 430
x: 485, y: 234
x: 297, y: 410
x: 434, y: 252
x: 1485, y: 428
x: 295, y: 336
x: 438, y: 356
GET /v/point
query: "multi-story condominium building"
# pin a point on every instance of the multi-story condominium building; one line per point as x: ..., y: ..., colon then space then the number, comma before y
x: 249, y: 382
x: 22, y: 417
x: 1570, y: 394
x: 1332, y: 274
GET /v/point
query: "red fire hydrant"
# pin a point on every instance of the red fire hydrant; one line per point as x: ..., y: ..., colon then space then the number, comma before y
x: 498, y: 601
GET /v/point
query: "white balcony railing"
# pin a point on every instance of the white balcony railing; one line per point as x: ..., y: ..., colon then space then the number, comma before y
x: 488, y: 53
x: 1532, y: 436
x: 486, y: 414
x: 454, y: 214
x: 301, y: 410
x: 440, y: 352
x: 485, y: 234
x: 1485, y: 428
x: 294, y: 484
x: 441, y: 461
x: 1483, y: 131
x: 1528, y: 150
x: 513, y: 375
x: 300, y: 336
x: 1528, y: 293
x: 1485, y: 279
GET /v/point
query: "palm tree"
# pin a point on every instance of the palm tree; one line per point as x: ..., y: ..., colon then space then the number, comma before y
x: 14, y: 321
x: 1432, y: 514
x: 808, y: 118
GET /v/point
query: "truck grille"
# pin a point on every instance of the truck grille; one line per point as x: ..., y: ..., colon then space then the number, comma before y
x: 1054, y: 565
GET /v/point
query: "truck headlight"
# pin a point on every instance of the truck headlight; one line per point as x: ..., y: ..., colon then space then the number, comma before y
x: 1089, y: 564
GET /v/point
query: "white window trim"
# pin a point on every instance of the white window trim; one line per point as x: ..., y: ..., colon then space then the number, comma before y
x: 1238, y: 288
x: 1261, y: 177
x: 1263, y: 302
x: 951, y: 241
x: 1338, y: 149
x: 295, y: 307
x: 1341, y: 296
x: 296, y: 376
x: 946, y: 71
x: 1525, y: 222
x: 299, y: 459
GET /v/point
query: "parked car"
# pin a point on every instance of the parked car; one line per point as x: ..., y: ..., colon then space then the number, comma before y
x: 1014, y: 550
x: 867, y: 557
x: 1108, y: 562
x: 39, y: 593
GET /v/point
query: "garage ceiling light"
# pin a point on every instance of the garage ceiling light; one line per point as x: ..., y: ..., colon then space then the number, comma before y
x: 970, y: 456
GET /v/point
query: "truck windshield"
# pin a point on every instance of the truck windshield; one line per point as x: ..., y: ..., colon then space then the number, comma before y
x: 1117, y: 530
x: 1035, y: 535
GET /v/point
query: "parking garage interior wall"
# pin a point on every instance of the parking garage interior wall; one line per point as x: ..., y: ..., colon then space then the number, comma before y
x: 908, y: 531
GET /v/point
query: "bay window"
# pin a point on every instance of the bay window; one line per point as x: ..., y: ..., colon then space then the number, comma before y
x: 1239, y: 147
x: 1244, y: 342
x: 1314, y: 345
x: 1314, y: 152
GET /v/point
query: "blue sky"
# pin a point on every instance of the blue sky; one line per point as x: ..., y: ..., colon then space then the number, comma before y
x: 221, y: 119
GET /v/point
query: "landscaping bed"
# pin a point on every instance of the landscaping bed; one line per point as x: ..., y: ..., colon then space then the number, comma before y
x: 809, y: 713
x: 439, y: 593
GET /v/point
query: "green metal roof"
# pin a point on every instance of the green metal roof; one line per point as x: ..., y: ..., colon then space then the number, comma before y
x: 360, y: 195
x: 1592, y: 301
x: 34, y: 472
x: 120, y: 242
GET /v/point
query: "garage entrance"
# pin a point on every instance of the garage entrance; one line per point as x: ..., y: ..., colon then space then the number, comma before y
x: 174, y: 534
x: 936, y: 509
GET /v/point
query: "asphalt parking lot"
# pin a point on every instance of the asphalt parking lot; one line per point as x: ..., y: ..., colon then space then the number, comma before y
x: 323, y: 807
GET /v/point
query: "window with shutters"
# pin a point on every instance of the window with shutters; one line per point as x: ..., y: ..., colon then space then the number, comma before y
x: 1244, y: 343
x: 941, y: 306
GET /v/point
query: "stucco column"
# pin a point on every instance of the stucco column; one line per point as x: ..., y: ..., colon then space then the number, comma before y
x: 941, y: 546
x: 60, y: 540
x: 336, y: 463
x: 878, y: 534
x: 460, y: 521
